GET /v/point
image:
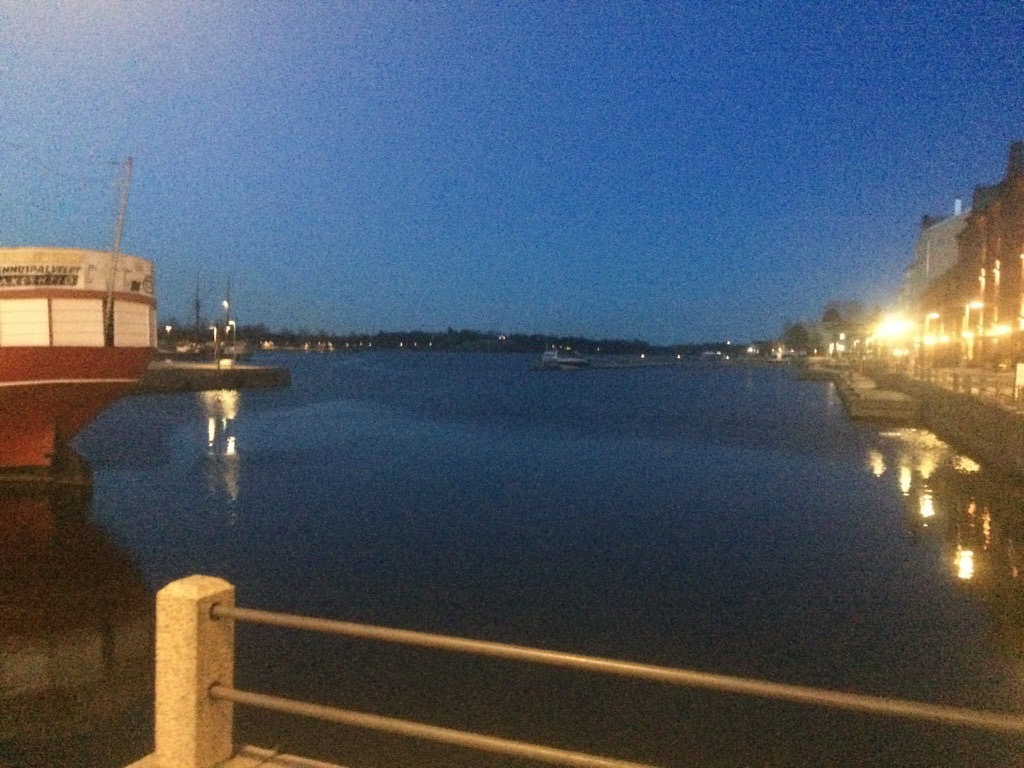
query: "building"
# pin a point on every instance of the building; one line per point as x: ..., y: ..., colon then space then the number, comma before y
x: 935, y: 254
x: 977, y: 302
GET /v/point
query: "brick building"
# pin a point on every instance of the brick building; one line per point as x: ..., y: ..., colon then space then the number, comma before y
x: 978, y: 303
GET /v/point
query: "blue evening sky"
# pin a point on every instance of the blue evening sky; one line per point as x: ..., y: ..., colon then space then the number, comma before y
x: 668, y: 171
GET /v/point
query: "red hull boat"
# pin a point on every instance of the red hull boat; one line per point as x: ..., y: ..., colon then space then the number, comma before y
x: 77, y: 329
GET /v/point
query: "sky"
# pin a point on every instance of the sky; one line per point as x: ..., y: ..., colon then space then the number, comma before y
x: 674, y: 172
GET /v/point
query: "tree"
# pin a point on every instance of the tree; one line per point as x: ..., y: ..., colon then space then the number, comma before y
x: 798, y: 337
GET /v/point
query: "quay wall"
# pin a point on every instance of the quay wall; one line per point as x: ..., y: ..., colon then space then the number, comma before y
x: 164, y: 378
x: 985, y: 430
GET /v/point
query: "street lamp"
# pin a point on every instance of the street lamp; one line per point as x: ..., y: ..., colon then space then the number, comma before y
x: 234, y: 334
x: 967, y: 334
x: 1020, y: 320
x: 927, y: 339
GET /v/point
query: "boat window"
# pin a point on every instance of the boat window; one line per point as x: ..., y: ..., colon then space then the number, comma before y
x: 77, y: 322
x: 24, y: 323
x: 132, y: 324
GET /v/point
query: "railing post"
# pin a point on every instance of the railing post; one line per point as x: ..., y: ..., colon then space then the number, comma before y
x: 193, y: 652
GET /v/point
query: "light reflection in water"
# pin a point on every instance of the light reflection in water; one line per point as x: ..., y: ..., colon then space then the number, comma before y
x: 876, y: 462
x: 223, y: 469
x: 906, y: 476
x: 975, y: 516
x: 966, y: 464
x: 926, y: 466
x: 927, y: 505
x: 965, y: 563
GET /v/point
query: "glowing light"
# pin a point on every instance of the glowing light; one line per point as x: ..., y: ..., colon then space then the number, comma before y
x: 906, y: 476
x: 927, y: 506
x: 220, y: 403
x: 926, y: 467
x: 965, y: 563
x: 876, y: 461
x: 894, y: 327
x: 966, y: 465
x: 1000, y: 330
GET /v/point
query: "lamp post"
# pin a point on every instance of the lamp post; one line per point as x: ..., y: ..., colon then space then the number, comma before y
x: 216, y: 346
x: 1020, y: 314
x: 966, y: 332
x: 927, y: 339
x: 234, y: 340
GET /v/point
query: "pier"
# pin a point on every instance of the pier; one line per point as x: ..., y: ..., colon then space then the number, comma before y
x: 164, y: 377
x: 161, y: 377
x: 979, y: 412
x: 862, y: 397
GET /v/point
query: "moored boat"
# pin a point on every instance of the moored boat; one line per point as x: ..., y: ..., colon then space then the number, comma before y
x: 77, y: 328
x: 562, y: 360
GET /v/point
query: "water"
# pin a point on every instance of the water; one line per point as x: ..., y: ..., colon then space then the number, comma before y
x: 723, y: 518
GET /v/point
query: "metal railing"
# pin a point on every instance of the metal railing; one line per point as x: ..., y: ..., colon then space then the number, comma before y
x: 209, y: 613
x: 988, y: 385
x: 994, y: 386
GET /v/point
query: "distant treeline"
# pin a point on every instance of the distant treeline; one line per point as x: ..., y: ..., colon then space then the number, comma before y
x: 452, y: 340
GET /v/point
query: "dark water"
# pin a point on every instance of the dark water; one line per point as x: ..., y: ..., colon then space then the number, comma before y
x: 723, y: 518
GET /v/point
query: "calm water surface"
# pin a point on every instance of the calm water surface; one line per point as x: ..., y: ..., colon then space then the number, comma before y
x: 723, y: 518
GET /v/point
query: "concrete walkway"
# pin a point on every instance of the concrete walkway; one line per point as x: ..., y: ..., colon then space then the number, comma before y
x: 250, y: 757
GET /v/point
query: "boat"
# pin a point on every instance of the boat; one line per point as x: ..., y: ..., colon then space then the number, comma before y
x: 77, y: 329
x: 562, y: 360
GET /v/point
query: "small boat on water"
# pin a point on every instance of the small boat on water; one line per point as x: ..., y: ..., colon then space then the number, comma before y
x: 562, y: 360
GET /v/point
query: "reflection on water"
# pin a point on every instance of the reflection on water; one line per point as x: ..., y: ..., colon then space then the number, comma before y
x: 76, y: 637
x: 708, y: 517
x: 223, y: 468
x: 973, y: 516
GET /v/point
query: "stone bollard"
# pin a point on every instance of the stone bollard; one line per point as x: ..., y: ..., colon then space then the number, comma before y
x: 193, y: 652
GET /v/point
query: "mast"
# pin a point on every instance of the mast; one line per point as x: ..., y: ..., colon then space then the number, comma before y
x: 108, y: 324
